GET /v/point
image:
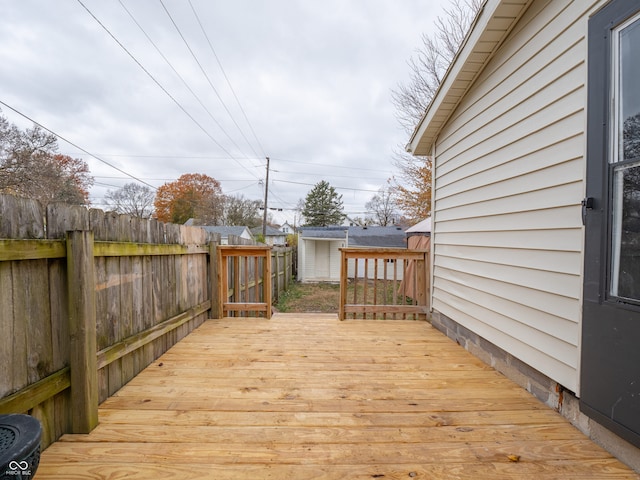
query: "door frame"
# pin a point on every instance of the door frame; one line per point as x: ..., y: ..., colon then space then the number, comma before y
x: 602, y: 374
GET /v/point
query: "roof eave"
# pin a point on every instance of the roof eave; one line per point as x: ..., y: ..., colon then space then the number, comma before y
x: 491, y: 26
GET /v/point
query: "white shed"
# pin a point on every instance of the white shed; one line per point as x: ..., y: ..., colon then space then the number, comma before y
x: 521, y: 159
x: 319, y: 253
x: 319, y: 250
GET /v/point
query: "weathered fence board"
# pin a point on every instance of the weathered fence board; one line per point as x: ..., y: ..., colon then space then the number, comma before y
x: 152, y: 284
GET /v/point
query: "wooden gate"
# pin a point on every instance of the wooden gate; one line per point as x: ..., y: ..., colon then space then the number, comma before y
x: 244, y: 280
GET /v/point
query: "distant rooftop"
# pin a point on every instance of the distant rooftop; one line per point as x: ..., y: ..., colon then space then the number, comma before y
x: 224, y: 230
x: 374, y: 236
x: 270, y: 231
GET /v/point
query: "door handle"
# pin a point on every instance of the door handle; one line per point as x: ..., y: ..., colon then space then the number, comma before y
x: 587, y: 204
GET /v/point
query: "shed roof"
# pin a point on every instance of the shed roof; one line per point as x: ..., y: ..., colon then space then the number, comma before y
x: 423, y: 226
x: 376, y: 236
x: 335, y: 232
x: 491, y: 26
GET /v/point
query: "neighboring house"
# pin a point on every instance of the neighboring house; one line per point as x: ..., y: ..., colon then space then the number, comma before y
x: 540, y: 109
x: 273, y: 236
x: 225, y: 231
x: 287, y: 229
x: 319, y: 248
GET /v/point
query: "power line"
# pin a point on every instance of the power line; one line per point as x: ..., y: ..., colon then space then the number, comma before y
x: 330, y: 165
x: 172, y: 179
x: 209, y: 157
x: 183, y: 157
x: 207, y: 76
x: 184, y: 82
x: 241, y: 188
x: 340, y: 188
x: 162, y: 88
x: 328, y: 175
x: 226, y: 78
x: 77, y: 146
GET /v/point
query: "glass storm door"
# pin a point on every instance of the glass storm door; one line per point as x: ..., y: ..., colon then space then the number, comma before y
x: 610, y: 364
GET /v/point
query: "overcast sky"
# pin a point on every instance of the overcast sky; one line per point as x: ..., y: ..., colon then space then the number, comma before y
x: 313, y: 78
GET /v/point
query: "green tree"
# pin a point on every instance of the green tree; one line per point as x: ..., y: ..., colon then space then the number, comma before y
x: 323, y: 206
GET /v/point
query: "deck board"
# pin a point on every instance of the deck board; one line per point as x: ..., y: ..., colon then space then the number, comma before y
x: 309, y: 397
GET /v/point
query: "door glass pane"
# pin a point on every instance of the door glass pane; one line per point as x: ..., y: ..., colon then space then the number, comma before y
x: 625, y: 280
x: 629, y: 93
x: 625, y: 220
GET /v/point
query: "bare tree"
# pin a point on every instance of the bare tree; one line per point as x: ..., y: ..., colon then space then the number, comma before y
x: 132, y: 199
x: 431, y: 61
x: 412, y: 187
x: 382, y: 208
x: 241, y: 211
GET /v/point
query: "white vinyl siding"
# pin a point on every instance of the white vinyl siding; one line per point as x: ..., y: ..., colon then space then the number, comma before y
x: 508, y: 182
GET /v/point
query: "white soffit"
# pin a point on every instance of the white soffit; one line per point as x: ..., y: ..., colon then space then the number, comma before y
x: 491, y: 26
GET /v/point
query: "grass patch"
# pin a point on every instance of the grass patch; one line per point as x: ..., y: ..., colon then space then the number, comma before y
x: 310, y: 298
x: 325, y: 297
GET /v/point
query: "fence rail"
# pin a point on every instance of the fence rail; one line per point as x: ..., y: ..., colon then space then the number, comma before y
x: 243, y: 269
x: 383, y: 283
x: 89, y: 299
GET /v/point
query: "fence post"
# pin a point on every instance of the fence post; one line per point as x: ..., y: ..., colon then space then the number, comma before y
x: 421, y: 287
x: 287, y: 266
x: 223, y: 280
x: 344, y: 277
x: 82, y: 331
x: 214, y: 279
x: 266, y: 283
x: 276, y: 284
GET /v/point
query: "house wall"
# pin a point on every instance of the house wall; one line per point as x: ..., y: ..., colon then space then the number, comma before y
x: 508, y: 182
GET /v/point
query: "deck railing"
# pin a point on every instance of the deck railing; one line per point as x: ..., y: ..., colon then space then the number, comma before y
x: 243, y: 290
x: 383, y: 283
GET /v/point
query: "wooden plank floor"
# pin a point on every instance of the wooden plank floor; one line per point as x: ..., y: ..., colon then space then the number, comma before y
x: 309, y: 397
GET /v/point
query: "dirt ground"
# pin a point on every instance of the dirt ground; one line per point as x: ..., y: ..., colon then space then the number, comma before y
x: 310, y: 297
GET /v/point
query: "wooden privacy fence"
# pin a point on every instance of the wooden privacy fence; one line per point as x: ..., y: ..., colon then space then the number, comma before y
x: 383, y: 283
x: 87, y: 300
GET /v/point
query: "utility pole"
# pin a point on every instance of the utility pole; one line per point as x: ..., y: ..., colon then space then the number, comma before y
x: 266, y: 197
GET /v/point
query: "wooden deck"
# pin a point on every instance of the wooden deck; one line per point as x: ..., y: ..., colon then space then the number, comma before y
x: 309, y: 397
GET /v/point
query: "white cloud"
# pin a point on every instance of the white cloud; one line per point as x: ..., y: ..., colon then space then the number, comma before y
x: 314, y: 78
